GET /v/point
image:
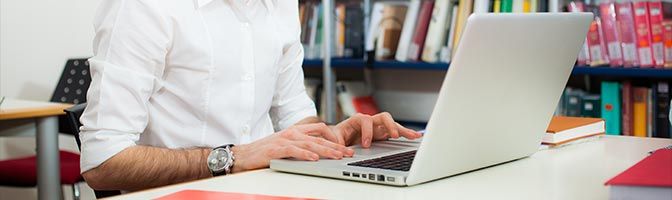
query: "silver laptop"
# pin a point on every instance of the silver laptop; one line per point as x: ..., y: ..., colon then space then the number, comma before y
x: 494, y: 105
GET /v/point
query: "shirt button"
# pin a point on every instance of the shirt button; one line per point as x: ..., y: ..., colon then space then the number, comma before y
x: 246, y: 129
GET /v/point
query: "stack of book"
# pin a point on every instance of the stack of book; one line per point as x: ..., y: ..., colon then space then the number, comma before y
x: 631, y: 109
x: 627, y: 33
x: 348, y: 34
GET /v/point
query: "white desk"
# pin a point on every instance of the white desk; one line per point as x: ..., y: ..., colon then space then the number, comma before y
x: 46, y: 119
x: 572, y: 172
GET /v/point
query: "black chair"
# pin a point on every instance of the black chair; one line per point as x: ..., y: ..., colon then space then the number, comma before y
x: 71, y: 88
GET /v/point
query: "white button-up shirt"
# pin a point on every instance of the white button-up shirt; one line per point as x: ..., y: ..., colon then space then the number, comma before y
x: 184, y: 74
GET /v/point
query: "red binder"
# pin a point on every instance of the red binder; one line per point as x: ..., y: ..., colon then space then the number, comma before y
x: 652, y: 171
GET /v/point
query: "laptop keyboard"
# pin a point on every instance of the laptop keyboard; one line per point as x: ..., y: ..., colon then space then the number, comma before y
x: 399, y: 162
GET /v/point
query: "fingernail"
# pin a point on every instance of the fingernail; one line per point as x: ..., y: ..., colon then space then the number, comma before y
x: 315, y: 157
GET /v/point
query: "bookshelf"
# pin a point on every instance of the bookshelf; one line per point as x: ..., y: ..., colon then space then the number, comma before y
x: 353, y: 63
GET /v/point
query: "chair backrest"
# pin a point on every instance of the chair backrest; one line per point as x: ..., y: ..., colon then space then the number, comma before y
x: 72, y: 88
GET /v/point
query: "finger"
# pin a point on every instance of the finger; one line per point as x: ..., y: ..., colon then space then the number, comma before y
x: 322, y: 151
x: 322, y: 130
x: 386, y: 120
x: 290, y: 151
x: 365, y: 124
x: 345, y: 151
x: 407, y: 132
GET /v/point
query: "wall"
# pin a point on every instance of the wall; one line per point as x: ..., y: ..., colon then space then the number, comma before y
x: 36, y: 38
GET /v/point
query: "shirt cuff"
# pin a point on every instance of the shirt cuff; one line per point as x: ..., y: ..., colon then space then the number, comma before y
x: 98, y: 146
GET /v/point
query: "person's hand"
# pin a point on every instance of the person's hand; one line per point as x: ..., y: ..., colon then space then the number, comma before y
x: 304, y: 142
x: 364, y: 129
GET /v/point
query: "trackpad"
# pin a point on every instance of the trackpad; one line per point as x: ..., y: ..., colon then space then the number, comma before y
x: 382, y: 148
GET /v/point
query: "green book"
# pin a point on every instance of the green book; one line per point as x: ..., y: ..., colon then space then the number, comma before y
x: 507, y: 6
x: 611, y: 107
x: 591, y: 106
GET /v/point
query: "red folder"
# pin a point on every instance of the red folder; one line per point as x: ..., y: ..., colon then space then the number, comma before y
x: 654, y: 170
x: 210, y: 195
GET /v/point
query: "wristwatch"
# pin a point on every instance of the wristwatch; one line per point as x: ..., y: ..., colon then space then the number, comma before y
x: 220, y: 160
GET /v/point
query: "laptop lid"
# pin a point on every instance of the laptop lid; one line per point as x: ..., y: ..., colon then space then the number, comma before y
x: 500, y: 91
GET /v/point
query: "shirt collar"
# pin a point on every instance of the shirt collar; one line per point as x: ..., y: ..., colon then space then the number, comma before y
x: 270, y: 4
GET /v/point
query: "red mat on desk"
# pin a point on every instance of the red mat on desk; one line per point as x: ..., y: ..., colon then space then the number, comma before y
x: 207, y: 195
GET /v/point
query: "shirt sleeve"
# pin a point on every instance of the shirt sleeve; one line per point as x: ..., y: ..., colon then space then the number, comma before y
x: 131, y: 42
x: 291, y: 103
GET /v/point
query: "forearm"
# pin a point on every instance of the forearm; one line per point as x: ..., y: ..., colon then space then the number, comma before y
x: 142, y: 167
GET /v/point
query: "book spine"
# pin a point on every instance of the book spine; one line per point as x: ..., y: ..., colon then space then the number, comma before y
x: 354, y: 32
x: 667, y: 26
x: 597, y: 49
x: 407, y: 30
x: 650, y: 122
x: 656, y: 22
x: 611, y: 107
x: 437, y: 30
x: 507, y: 6
x: 416, y: 47
x: 611, y: 35
x: 641, y: 13
x: 639, y: 111
x: 626, y: 26
x: 497, y: 6
x: 662, y: 110
x: 626, y: 118
x: 584, y: 53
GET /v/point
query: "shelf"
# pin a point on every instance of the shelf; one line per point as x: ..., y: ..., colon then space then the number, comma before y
x: 392, y: 64
x: 336, y: 63
x: 414, y: 65
x: 623, y: 72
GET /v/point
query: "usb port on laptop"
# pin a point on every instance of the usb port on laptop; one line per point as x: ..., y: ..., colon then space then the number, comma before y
x: 346, y: 173
x: 355, y: 175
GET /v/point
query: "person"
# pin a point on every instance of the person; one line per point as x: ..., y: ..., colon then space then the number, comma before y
x: 172, y: 79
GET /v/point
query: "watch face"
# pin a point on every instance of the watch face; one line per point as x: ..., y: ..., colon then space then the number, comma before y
x: 217, y: 160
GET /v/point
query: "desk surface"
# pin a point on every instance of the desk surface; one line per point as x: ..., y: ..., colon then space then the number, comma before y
x: 576, y: 171
x: 19, y: 109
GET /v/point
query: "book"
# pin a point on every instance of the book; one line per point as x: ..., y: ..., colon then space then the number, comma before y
x: 566, y: 129
x: 573, y: 102
x: 517, y: 6
x: 542, y: 5
x: 667, y: 38
x: 650, y: 178
x: 447, y: 49
x: 354, y: 31
x: 584, y: 53
x: 527, y: 6
x: 642, y: 29
x: 639, y: 111
x: 497, y: 6
x: 661, y: 110
x: 626, y: 101
x: 626, y: 26
x: 596, y: 47
x: 340, y: 30
x: 507, y: 6
x: 656, y: 23
x: 437, y: 30
x: 407, y: 30
x: 610, y: 32
x: 554, y: 6
x: 376, y: 16
x: 481, y: 6
x: 465, y: 9
x: 650, y: 122
x: 420, y: 32
x: 390, y: 31
x: 611, y: 107
x: 202, y: 194
x: 590, y: 106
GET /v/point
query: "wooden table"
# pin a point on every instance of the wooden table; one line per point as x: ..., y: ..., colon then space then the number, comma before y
x: 577, y: 171
x: 46, y: 119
